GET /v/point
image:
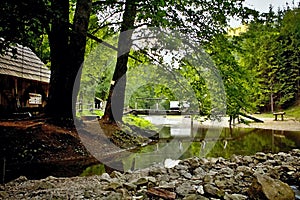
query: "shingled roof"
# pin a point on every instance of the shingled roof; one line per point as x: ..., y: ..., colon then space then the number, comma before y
x: 25, y: 64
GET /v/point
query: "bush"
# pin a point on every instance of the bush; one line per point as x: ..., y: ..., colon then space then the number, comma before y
x: 138, y: 121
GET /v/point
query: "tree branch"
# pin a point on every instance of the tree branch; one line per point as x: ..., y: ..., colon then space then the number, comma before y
x: 96, y: 3
x: 109, y: 45
x: 108, y: 24
x: 160, y: 64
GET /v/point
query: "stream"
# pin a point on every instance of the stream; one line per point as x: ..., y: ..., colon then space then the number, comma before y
x: 182, y: 137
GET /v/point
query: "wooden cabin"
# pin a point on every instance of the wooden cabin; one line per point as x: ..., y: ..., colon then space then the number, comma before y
x: 24, y: 81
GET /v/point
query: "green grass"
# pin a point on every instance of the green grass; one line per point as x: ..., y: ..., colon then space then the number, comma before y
x: 93, y: 170
x: 138, y: 121
x: 293, y: 112
x: 265, y: 115
x: 98, y: 112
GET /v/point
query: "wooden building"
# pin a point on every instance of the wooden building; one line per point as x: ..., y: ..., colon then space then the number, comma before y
x: 24, y: 81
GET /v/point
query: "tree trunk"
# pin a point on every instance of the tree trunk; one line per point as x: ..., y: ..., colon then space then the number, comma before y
x: 67, y: 55
x: 272, y: 102
x: 115, y: 101
x: 77, y: 48
x: 57, y: 104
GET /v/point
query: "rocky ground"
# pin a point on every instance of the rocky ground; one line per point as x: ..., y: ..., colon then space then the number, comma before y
x: 261, y: 176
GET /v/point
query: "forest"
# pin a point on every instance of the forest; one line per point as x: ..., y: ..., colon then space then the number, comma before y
x: 258, y: 62
x: 103, y: 60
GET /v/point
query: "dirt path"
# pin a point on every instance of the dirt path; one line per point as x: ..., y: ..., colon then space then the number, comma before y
x: 289, y: 124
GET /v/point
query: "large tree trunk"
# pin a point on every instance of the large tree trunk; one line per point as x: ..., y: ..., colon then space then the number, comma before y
x: 67, y: 55
x: 57, y: 104
x: 115, y: 101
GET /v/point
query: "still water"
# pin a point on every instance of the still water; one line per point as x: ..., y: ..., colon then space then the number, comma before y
x: 182, y: 137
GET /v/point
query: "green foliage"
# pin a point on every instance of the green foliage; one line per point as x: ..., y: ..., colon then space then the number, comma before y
x: 201, y: 20
x: 270, y: 49
x: 186, y: 17
x: 199, y: 86
x: 23, y: 23
x: 289, y: 42
x: 154, y: 81
x: 97, y: 71
x: 260, y: 68
x: 94, y: 170
x: 98, y: 112
x: 138, y: 121
x: 238, y: 81
x: 147, y: 96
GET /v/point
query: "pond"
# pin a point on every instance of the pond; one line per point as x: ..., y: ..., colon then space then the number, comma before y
x: 182, y: 137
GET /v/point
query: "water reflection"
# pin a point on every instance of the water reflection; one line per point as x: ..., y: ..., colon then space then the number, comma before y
x: 180, y: 139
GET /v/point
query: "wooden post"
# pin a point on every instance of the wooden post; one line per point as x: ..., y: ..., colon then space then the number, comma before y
x: 273, y: 141
x: 15, y: 94
x: 3, y: 170
x: 91, y: 107
x: 80, y: 106
x: 272, y: 102
x: 192, y: 125
x: 16, y: 86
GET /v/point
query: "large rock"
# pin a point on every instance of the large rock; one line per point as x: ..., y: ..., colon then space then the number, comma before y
x: 213, y: 191
x: 265, y: 187
x: 184, y: 189
x: 234, y: 197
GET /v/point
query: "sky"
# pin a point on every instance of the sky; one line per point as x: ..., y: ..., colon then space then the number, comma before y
x: 263, y: 6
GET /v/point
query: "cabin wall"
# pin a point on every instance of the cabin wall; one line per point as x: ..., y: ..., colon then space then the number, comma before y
x: 15, y: 93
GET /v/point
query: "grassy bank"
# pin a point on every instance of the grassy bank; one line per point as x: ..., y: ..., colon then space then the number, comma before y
x: 294, y: 112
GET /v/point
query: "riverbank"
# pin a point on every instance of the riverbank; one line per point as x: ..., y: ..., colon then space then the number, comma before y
x: 288, y: 124
x: 261, y: 176
x: 37, y: 149
x: 37, y: 142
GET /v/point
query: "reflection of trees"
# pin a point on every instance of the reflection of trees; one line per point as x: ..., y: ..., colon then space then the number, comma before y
x: 294, y: 136
x: 254, y: 141
x: 238, y: 141
x: 241, y: 142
